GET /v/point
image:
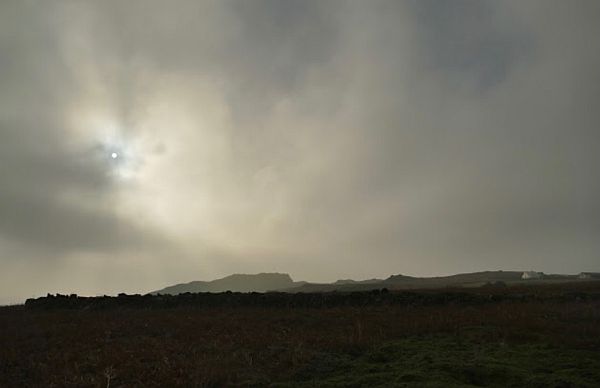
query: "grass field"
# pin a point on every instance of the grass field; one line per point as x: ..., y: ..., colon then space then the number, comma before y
x: 551, y: 339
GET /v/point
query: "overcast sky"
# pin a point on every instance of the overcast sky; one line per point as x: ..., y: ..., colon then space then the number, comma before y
x: 325, y: 139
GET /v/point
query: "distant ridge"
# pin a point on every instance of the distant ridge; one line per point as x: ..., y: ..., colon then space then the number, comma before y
x: 459, y: 279
x: 261, y: 282
x: 264, y: 282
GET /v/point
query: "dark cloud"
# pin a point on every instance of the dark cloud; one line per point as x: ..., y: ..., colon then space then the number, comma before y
x: 470, y: 41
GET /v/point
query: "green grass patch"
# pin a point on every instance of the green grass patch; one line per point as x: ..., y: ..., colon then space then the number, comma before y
x: 439, y: 361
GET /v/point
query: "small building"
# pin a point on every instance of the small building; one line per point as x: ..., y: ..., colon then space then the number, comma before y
x: 589, y: 275
x: 528, y: 275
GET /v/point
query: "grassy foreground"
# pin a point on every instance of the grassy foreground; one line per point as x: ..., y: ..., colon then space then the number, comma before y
x: 549, y: 339
x: 447, y: 361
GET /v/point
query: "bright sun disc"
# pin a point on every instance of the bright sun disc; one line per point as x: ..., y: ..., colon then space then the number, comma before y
x: 114, y: 155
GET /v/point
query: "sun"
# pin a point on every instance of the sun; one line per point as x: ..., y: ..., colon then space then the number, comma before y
x: 114, y: 155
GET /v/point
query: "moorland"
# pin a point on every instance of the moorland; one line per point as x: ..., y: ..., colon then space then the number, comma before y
x: 538, y: 335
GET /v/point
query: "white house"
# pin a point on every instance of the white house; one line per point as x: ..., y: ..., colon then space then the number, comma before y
x: 589, y: 275
x: 527, y: 275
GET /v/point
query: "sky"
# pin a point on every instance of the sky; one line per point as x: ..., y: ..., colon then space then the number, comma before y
x: 145, y: 143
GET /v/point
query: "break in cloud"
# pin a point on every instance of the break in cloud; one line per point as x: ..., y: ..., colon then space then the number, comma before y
x: 327, y: 139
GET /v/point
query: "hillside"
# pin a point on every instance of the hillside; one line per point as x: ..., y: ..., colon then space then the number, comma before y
x: 261, y: 282
x: 264, y: 282
x: 455, y: 280
x: 403, y: 282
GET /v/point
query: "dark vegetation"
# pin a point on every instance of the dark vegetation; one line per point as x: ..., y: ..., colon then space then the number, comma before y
x: 495, y: 335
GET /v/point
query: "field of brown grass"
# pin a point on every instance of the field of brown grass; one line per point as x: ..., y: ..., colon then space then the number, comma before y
x: 261, y: 346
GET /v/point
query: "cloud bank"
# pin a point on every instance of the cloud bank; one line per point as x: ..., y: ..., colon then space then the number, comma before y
x: 324, y: 139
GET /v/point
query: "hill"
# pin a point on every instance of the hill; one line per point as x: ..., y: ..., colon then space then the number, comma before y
x: 261, y: 282
x: 404, y: 282
x: 264, y: 282
x: 465, y: 279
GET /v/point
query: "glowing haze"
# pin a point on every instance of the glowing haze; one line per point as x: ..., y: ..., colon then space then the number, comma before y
x: 145, y: 143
